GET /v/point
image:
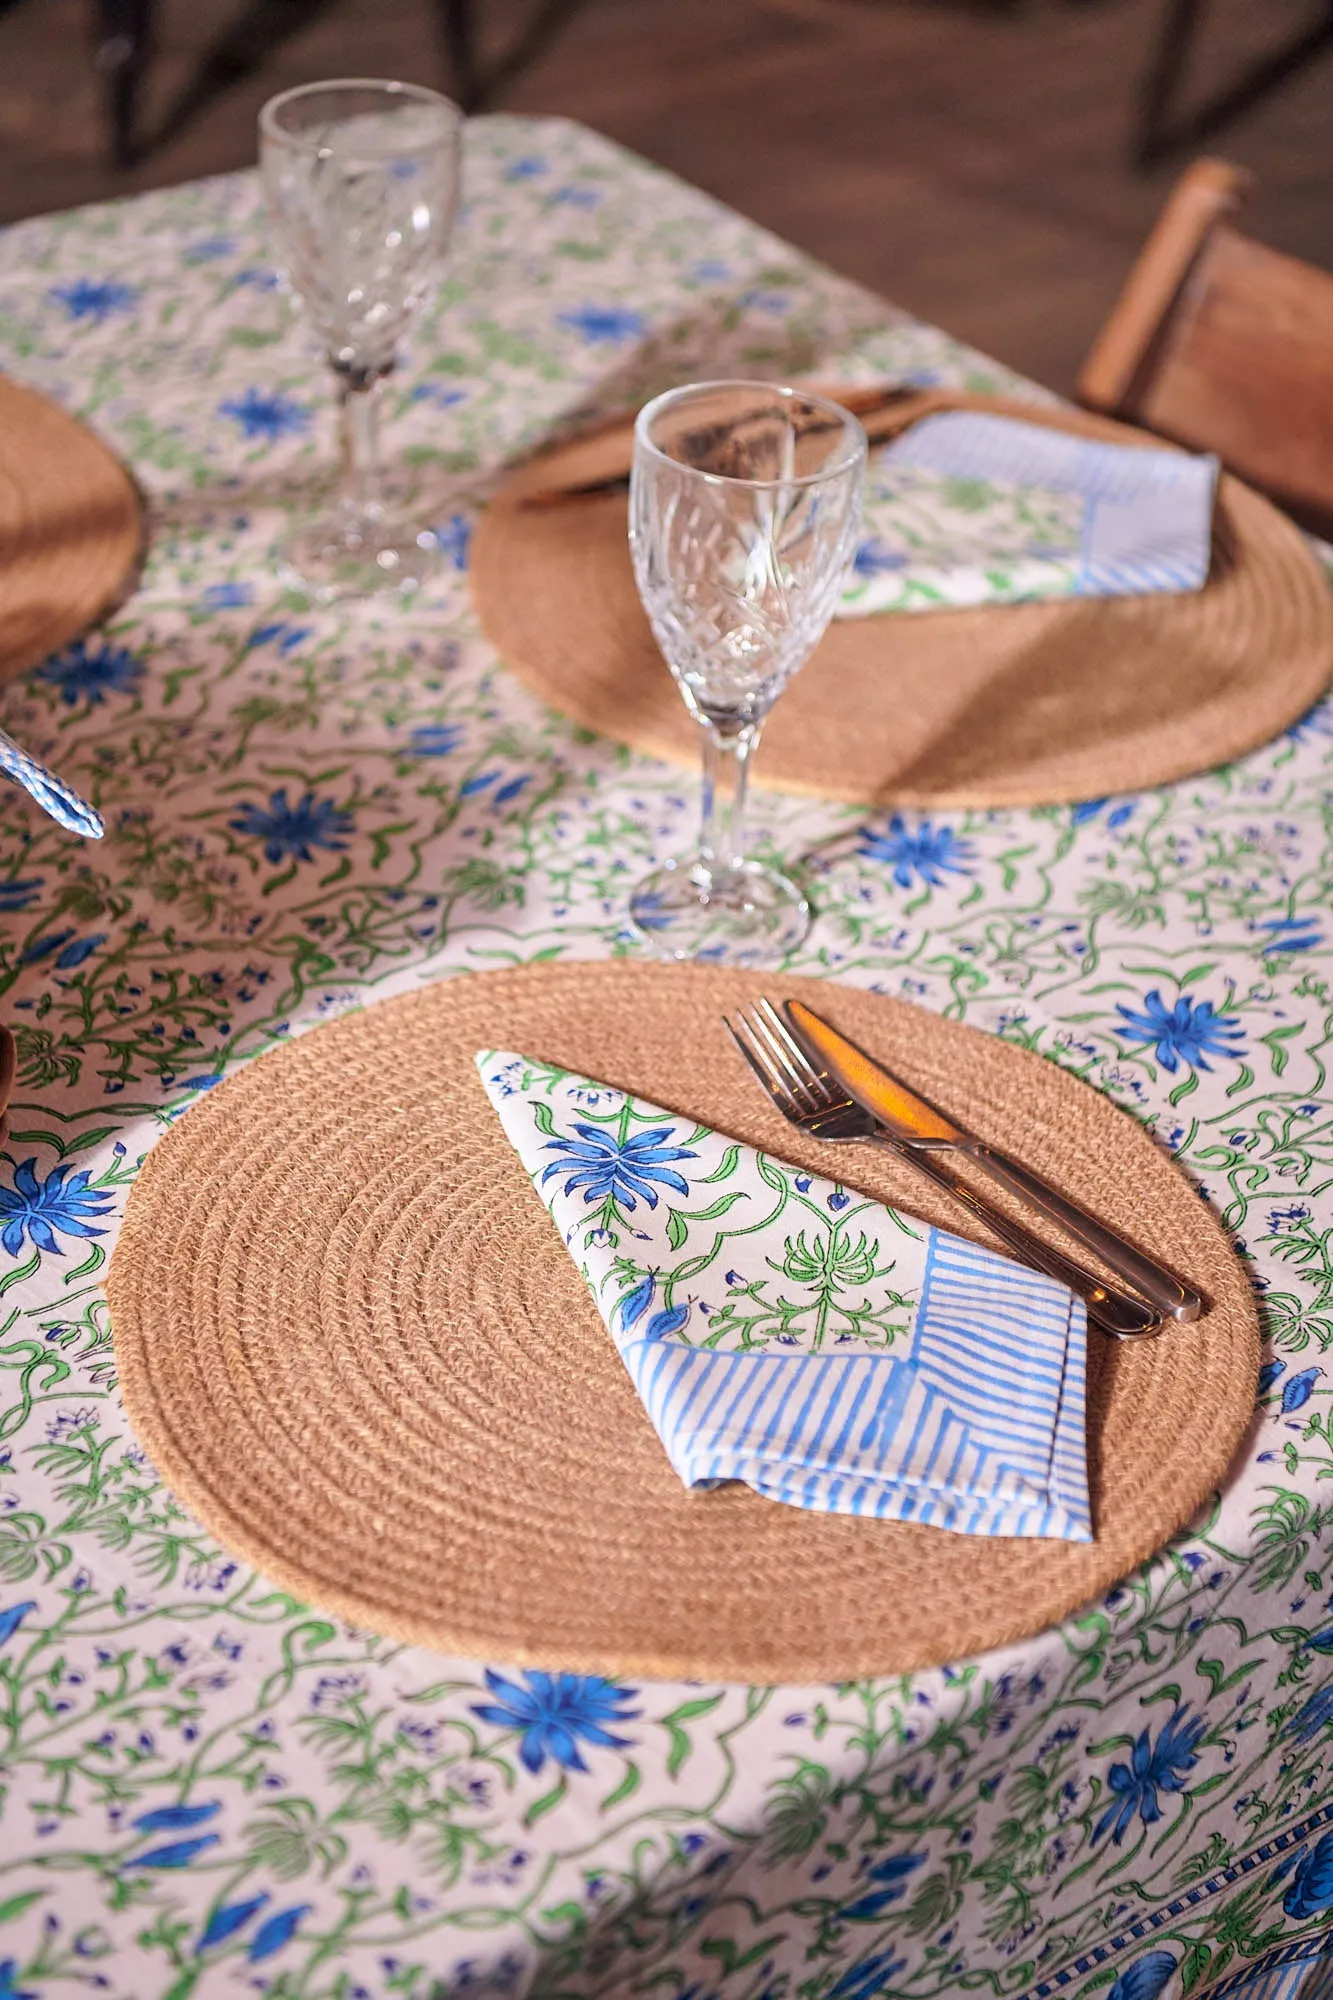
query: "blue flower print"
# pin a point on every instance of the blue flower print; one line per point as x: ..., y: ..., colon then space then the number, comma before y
x: 1298, y: 1389
x: 94, y: 298
x: 662, y: 1325
x: 530, y: 168
x: 62, y: 1203
x: 294, y: 829
x: 176, y: 1853
x: 280, y: 634
x: 931, y: 852
x: 232, y: 1917
x: 876, y: 558
x: 453, y: 538
x: 89, y: 671
x: 867, y: 1979
x: 1290, y: 934
x: 1313, y: 1717
x: 173, y: 1819
x: 74, y: 954
x: 266, y: 414
x: 1145, y: 1979
x: 1190, y: 1032
x: 576, y: 197
x: 604, y: 325
x: 1162, y: 1766
x: 890, y: 1878
x: 208, y: 249
x: 611, y: 1171
x: 1311, y: 1887
x: 227, y: 596
x: 13, y: 1616
x: 19, y: 895
x: 553, y: 1711
x: 9, y: 1972
x: 1268, y: 1375
x: 636, y: 1303
x: 275, y: 1932
x: 437, y: 739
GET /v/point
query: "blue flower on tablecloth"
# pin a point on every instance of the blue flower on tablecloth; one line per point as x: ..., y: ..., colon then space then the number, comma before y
x: 1191, y: 1031
x: 576, y: 197
x: 208, y: 249
x: 175, y: 1854
x: 94, y: 298
x: 614, y: 1170
x: 1087, y: 809
x: 266, y: 413
x: 876, y: 558
x: 231, y: 596
x: 438, y: 396
x: 9, y: 1972
x: 1313, y: 1717
x: 82, y: 948
x: 611, y: 325
x: 13, y: 1616
x: 62, y: 1204
x: 1311, y: 1887
x: 294, y: 829
x: 930, y: 851
x: 890, y: 1879
x: 232, y: 1917
x: 866, y: 1979
x: 1145, y: 1979
x: 275, y: 1932
x: 174, y: 1819
x: 1290, y: 934
x: 286, y: 637
x: 89, y: 670
x: 453, y: 538
x: 258, y: 277
x: 19, y: 894
x: 1152, y: 1767
x: 435, y: 739
x: 1298, y: 1390
x: 530, y: 168
x: 553, y: 1711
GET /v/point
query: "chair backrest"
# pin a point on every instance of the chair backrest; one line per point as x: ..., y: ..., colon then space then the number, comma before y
x: 1224, y: 345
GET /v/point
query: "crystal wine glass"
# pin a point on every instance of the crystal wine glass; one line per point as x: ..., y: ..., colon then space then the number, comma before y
x: 745, y: 504
x: 362, y: 180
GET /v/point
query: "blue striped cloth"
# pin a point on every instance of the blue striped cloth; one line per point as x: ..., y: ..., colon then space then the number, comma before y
x: 828, y: 1351
x: 968, y: 508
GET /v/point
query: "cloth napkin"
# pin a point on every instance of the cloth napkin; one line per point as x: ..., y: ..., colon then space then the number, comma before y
x: 967, y: 508
x: 829, y: 1351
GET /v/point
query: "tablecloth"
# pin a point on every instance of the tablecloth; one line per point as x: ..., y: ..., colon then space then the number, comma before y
x: 210, y: 1789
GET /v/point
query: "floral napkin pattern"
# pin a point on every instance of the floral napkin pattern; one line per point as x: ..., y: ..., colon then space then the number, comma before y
x: 827, y: 1350
x: 967, y: 508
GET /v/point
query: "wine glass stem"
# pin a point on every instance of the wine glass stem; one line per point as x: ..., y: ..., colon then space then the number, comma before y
x: 726, y: 760
x: 359, y: 494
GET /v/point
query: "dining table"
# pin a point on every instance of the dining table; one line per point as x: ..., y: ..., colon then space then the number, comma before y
x: 208, y: 1787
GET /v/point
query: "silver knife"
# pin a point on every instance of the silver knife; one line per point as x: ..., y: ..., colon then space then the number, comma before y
x: 922, y: 1127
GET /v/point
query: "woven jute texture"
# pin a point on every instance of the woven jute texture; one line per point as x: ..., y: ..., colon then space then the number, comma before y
x: 352, y: 1341
x: 71, y: 528
x: 1037, y: 704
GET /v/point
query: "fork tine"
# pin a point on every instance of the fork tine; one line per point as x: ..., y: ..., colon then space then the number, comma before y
x: 775, y: 1084
x: 788, y: 1053
x: 799, y: 1059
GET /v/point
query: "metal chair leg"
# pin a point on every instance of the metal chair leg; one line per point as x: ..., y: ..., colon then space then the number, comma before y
x: 124, y: 46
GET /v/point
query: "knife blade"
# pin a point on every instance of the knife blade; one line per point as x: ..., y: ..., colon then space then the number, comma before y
x: 923, y: 1127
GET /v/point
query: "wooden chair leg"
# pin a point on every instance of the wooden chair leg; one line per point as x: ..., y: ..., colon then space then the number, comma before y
x: 124, y: 48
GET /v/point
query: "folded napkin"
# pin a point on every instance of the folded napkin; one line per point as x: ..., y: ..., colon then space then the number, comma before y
x: 781, y: 1330
x: 966, y: 508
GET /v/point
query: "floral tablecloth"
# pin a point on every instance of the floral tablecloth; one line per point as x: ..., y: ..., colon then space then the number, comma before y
x: 210, y: 1789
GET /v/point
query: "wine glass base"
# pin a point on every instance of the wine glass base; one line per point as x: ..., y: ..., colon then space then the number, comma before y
x: 750, y: 915
x: 334, y: 562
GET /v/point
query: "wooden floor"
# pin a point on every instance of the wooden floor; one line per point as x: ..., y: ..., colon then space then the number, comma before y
x: 972, y: 164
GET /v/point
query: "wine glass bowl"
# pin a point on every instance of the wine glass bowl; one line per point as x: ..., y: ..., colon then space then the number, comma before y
x: 362, y: 181
x: 744, y: 512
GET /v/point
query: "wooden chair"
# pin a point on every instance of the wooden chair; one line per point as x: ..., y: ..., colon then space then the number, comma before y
x: 1224, y: 345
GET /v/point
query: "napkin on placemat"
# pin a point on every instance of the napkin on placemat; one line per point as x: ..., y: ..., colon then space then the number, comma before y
x: 968, y: 508
x: 781, y: 1330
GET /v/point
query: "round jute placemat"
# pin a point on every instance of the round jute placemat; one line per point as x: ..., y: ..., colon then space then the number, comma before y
x: 71, y: 528
x: 355, y: 1346
x: 1034, y: 704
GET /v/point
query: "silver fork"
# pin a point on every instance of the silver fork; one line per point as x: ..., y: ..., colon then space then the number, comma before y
x: 809, y: 1099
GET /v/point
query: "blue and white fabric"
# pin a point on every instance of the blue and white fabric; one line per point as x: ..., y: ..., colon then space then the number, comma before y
x: 967, y: 508
x: 829, y: 1351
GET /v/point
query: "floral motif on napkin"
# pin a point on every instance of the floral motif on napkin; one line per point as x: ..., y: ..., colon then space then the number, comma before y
x: 782, y: 1330
x: 967, y: 508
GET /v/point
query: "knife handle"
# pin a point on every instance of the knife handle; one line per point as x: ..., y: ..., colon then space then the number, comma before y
x: 1114, y: 1312
x: 1164, y: 1291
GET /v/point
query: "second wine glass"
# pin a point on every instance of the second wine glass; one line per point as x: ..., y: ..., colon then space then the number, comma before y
x: 361, y: 179
x: 745, y: 505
